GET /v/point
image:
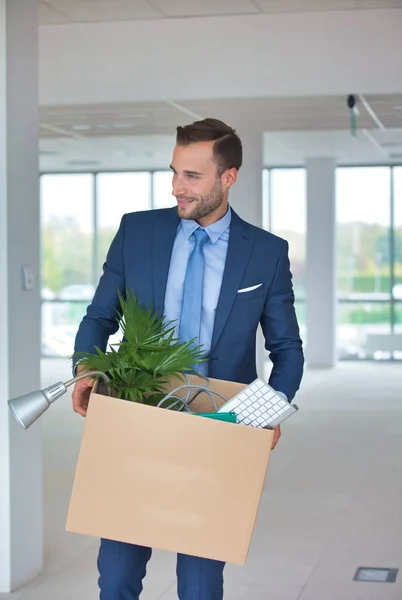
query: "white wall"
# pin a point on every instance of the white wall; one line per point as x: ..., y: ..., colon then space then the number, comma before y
x: 271, y: 55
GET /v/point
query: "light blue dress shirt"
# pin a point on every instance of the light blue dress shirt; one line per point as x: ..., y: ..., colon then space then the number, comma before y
x: 215, y: 251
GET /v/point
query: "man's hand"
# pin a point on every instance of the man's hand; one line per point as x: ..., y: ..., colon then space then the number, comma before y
x: 81, y: 393
x: 277, y: 435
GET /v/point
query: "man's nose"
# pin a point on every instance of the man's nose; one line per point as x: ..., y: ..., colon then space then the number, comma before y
x: 179, y: 188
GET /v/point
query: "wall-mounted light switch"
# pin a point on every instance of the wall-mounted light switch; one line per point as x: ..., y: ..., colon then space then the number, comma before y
x: 28, y: 278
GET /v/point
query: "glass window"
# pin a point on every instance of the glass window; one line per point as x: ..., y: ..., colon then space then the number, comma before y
x: 369, y: 283
x: 398, y: 331
x: 364, y: 272
x: 117, y: 194
x: 397, y: 288
x: 67, y: 258
x: 265, y: 199
x: 67, y: 233
x: 162, y: 190
x: 361, y: 329
x: 363, y: 233
x: 60, y: 321
x: 286, y: 217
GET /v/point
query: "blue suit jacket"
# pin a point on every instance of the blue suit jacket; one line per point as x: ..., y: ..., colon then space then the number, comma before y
x: 139, y: 258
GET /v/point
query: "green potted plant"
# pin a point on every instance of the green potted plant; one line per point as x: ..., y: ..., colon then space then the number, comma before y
x: 148, y: 356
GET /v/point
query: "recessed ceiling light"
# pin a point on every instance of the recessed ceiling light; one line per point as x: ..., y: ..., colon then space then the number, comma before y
x: 84, y: 163
x: 392, y: 144
x: 133, y: 115
x: 81, y: 127
x: 49, y: 153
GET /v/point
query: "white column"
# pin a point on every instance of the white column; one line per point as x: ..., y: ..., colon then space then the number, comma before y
x: 20, y: 451
x: 321, y: 263
x: 246, y: 199
x: 246, y: 194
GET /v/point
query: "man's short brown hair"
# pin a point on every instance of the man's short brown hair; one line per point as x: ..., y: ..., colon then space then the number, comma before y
x: 227, y: 152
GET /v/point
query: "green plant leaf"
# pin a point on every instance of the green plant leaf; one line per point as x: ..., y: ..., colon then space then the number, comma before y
x: 147, y: 357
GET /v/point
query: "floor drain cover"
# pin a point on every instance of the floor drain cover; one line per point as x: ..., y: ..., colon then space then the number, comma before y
x: 375, y: 574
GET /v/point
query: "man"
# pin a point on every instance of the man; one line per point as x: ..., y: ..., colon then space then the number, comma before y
x: 217, y: 276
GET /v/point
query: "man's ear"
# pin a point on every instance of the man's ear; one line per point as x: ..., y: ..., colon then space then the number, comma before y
x: 229, y: 177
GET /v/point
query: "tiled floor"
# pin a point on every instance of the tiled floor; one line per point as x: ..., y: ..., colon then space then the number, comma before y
x: 332, y: 500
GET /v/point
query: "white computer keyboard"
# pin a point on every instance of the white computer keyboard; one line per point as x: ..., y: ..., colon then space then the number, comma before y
x: 259, y: 405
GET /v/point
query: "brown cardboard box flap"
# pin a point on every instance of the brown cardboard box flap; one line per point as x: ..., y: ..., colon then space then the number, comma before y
x: 169, y: 480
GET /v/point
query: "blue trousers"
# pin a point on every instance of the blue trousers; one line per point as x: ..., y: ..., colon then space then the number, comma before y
x: 122, y: 568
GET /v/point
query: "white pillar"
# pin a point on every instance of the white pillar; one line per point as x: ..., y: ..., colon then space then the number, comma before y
x: 246, y: 194
x: 321, y: 263
x: 246, y: 199
x: 20, y: 451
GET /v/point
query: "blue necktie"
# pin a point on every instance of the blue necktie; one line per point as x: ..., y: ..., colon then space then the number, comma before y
x: 190, y: 320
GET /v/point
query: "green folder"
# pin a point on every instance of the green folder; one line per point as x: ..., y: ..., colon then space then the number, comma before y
x: 228, y: 417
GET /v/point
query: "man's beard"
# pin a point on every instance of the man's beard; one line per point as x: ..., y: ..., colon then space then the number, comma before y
x: 202, y: 206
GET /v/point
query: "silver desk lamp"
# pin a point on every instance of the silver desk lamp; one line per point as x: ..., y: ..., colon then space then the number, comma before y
x: 29, y: 407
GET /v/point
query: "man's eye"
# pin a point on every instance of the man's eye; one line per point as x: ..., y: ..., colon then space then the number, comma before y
x: 191, y: 176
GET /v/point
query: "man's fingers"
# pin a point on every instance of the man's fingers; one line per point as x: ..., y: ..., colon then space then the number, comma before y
x: 277, y: 435
x: 85, y: 383
x: 80, y: 395
x: 80, y: 406
x: 81, y: 411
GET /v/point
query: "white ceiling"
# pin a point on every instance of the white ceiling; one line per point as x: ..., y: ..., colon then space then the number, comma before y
x: 268, y: 114
x: 155, y: 152
x: 368, y: 147
x: 106, y: 153
x: 141, y: 136
x: 52, y: 12
x: 281, y: 148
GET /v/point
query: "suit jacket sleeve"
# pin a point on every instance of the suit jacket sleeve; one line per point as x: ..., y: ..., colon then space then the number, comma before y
x: 101, y: 320
x: 281, y: 330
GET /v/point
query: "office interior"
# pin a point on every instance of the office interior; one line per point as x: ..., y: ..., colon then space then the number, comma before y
x: 105, y: 83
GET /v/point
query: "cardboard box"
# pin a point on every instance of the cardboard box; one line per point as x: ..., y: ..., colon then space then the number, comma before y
x: 169, y: 480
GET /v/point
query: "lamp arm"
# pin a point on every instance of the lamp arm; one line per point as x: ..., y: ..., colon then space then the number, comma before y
x: 85, y: 375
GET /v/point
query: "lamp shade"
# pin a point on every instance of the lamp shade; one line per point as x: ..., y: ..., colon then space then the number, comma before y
x: 29, y: 407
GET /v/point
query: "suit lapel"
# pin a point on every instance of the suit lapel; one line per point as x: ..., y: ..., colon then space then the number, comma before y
x: 164, y: 236
x: 239, y: 250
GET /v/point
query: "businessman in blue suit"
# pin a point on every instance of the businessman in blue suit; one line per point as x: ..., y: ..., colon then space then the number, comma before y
x: 200, y: 265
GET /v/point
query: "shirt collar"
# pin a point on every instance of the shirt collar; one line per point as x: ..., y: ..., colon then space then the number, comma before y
x: 214, y: 231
